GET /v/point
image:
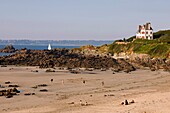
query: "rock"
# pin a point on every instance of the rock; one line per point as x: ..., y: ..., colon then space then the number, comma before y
x: 8, y: 82
x: 35, y: 87
x: 15, y: 90
x: 74, y: 71
x: 9, y: 96
x: 71, y: 103
x: 8, y: 49
x: 34, y: 71
x: 13, y: 85
x: 65, y: 58
x: 43, y: 90
x: 28, y: 94
x: 42, y: 85
x: 84, y: 81
x: 103, y: 69
x: 50, y: 70
x: 8, y: 93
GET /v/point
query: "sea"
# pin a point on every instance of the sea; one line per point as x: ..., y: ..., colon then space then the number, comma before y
x: 43, y: 44
x: 39, y: 47
x: 34, y: 47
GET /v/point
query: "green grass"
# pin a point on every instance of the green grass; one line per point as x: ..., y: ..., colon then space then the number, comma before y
x: 159, y: 47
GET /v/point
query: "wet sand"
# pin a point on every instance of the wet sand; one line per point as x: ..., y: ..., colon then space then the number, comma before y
x: 85, y: 92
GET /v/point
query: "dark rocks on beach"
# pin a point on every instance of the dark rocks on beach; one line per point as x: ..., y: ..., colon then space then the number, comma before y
x: 153, y: 63
x: 13, y: 85
x: 103, y: 69
x: 8, y: 93
x: 64, y: 58
x: 42, y: 85
x: 28, y: 94
x: 8, y: 82
x: 50, y: 70
x: 43, y: 90
x: 75, y: 71
x: 34, y: 71
x: 9, y: 96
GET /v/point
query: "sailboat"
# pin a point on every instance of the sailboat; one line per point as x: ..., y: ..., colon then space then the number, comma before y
x: 49, y: 47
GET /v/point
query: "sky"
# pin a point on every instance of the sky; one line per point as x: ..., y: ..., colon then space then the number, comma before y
x: 80, y: 19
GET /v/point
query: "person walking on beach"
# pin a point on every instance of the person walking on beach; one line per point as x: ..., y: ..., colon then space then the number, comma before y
x: 102, y: 83
x: 62, y: 81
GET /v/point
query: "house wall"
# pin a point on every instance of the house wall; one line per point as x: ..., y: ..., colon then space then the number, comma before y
x: 149, y: 34
x: 145, y: 34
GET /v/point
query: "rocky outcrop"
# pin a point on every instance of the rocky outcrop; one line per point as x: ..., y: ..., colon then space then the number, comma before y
x: 64, y: 58
x: 8, y: 49
x: 152, y: 63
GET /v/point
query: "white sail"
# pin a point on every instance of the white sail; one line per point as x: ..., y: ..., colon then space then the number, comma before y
x: 49, y: 47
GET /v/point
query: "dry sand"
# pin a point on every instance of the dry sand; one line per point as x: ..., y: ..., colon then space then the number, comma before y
x: 149, y: 90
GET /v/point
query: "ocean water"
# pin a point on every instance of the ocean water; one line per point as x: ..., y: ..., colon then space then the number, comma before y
x: 39, y: 47
x: 34, y: 47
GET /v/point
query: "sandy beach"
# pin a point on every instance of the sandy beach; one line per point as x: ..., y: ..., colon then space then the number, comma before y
x: 87, y: 92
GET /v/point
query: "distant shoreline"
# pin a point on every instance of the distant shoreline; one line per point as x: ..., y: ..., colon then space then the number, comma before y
x: 57, y: 42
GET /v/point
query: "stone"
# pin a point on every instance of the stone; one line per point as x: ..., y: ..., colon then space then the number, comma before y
x: 43, y: 90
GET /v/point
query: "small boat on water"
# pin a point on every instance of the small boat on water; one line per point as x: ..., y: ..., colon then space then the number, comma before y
x: 49, y: 47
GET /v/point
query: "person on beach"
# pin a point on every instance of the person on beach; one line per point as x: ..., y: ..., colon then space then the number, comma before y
x: 62, y: 82
x: 103, y: 83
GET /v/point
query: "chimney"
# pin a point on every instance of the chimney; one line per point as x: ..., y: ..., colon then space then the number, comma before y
x: 140, y: 27
x: 149, y: 26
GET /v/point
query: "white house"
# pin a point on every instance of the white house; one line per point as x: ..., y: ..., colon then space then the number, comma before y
x: 145, y: 32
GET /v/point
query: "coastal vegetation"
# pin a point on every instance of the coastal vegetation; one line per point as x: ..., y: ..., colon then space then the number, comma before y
x: 157, y: 48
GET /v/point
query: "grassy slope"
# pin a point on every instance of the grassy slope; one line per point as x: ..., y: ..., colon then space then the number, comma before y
x: 159, y: 47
